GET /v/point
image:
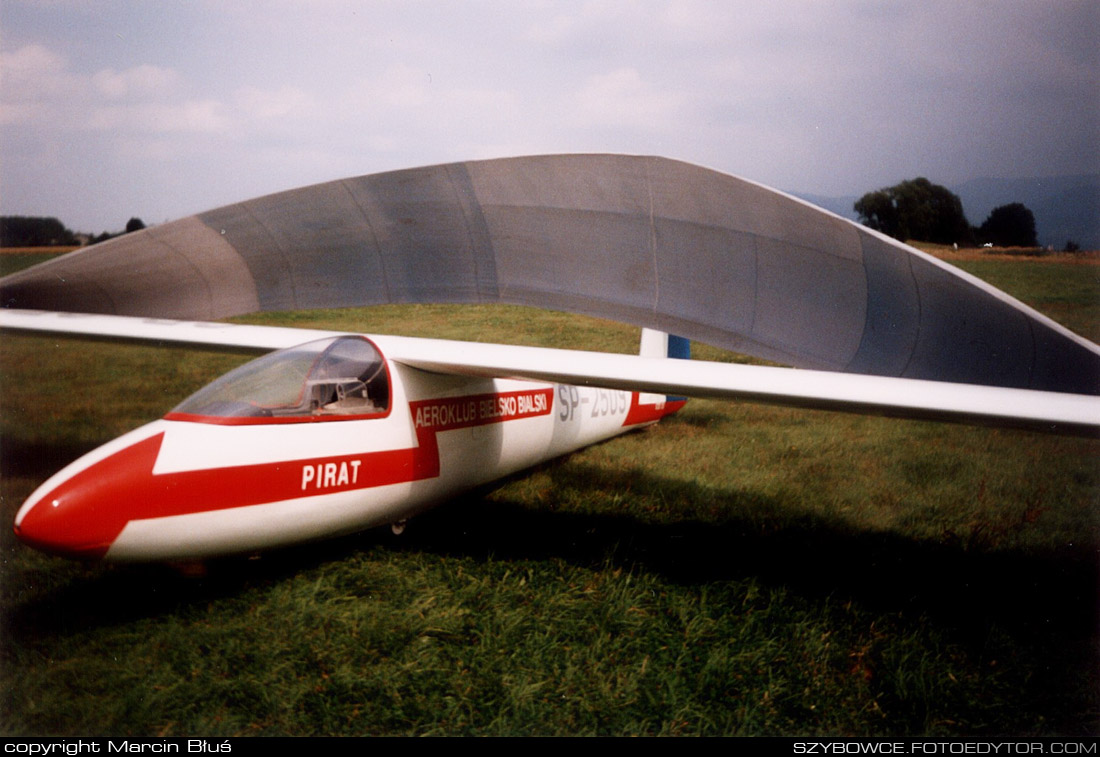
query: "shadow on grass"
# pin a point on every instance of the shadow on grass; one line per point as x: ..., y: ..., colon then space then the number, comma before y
x: 38, y: 460
x: 965, y: 589
x: 1045, y: 602
x: 890, y: 573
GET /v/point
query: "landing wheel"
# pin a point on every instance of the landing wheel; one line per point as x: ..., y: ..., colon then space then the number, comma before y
x: 398, y: 527
x: 189, y: 568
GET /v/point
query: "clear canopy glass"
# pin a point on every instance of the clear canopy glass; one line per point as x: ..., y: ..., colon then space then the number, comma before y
x: 340, y: 376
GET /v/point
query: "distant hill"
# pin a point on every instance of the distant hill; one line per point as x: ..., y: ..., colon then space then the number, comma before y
x: 1065, y: 207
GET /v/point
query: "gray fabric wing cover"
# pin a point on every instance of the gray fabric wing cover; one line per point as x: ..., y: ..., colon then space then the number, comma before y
x: 643, y: 240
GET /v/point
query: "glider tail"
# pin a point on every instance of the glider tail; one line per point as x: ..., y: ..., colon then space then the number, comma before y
x: 659, y: 344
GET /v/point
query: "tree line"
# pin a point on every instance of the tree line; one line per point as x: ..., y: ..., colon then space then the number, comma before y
x: 915, y: 209
x: 36, y: 231
x: 920, y: 210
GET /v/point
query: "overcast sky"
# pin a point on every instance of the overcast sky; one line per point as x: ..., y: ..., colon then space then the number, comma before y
x: 159, y: 109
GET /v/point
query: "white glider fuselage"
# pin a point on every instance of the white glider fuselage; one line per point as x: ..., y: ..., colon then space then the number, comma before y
x: 373, y: 450
x: 348, y: 432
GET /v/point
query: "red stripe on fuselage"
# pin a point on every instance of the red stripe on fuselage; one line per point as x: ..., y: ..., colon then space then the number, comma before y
x: 639, y: 413
x: 93, y: 506
x: 86, y: 513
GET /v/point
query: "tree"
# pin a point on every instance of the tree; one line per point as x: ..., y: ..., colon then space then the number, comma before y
x: 31, y: 231
x: 915, y: 209
x: 1009, y: 226
x: 134, y: 224
x: 879, y: 211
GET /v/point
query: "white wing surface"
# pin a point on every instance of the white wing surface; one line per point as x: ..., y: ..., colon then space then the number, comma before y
x: 1057, y: 412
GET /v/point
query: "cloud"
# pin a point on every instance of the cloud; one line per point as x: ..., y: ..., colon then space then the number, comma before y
x: 193, y: 116
x: 273, y: 104
x: 397, y: 87
x: 33, y: 76
x: 823, y: 97
x: 140, y: 81
x: 29, y: 62
x: 622, y: 98
x: 41, y: 90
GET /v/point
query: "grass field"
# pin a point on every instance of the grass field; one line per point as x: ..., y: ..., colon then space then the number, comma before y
x: 736, y: 570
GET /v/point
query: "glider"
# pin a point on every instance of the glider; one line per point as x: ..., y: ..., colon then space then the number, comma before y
x: 334, y: 432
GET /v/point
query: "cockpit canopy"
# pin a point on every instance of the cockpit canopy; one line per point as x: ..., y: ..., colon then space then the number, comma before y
x: 337, y: 377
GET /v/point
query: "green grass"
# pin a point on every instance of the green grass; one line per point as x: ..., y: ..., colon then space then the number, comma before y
x: 10, y: 262
x: 1068, y: 292
x: 737, y: 570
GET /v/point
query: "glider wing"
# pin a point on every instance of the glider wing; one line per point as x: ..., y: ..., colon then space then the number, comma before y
x: 1057, y: 412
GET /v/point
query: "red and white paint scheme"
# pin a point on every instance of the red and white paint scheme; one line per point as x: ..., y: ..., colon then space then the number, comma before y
x: 346, y: 432
x: 308, y: 442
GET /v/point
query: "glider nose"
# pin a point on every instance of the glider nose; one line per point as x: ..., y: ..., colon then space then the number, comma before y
x: 80, y: 511
x: 68, y: 520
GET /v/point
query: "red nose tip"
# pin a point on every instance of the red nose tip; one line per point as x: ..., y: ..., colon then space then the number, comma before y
x: 46, y: 529
x: 82, y: 515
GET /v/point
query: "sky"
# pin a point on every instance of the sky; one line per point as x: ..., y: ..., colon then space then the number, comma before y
x: 158, y: 109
